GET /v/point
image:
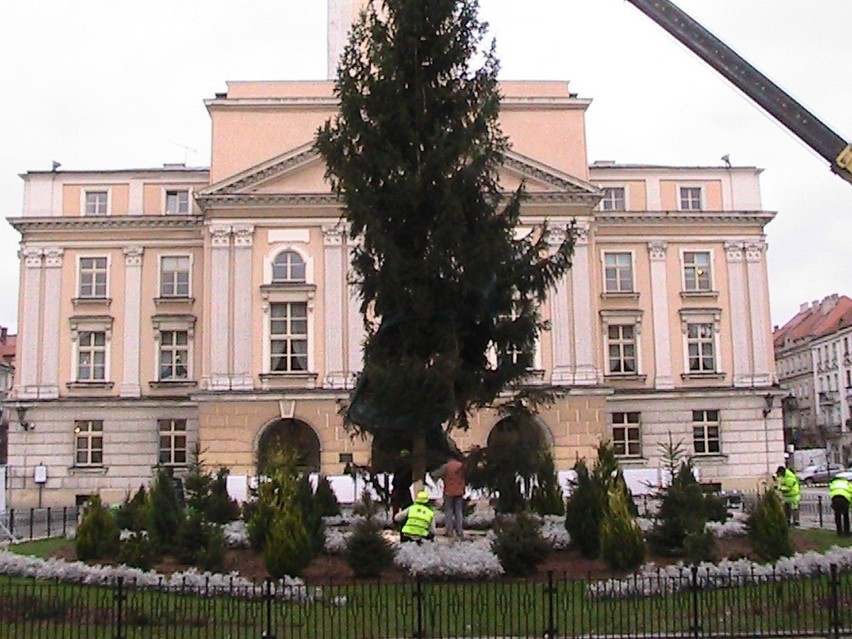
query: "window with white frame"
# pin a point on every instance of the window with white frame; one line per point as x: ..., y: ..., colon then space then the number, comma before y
x: 618, y: 272
x: 91, y: 356
x: 621, y: 349
x: 177, y: 202
x: 174, y: 356
x: 288, y: 337
x: 89, y: 442
x: 174, y: 276
x: 705, y: 432
x: 626, y: 434
x: 613, y: 199
x: 690, y: 198
x: 288, y: 266
x: 172, y: 441
x: 93, y: 278
x: 96, y: 202
x: 701, y: 348
x: 697, y: 274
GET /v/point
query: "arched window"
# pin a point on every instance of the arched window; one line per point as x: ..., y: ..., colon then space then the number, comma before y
x: 288, y: 266
x: 292, y: 435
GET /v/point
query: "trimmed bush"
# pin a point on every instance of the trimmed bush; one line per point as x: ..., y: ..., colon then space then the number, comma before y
x: 97, y: 535
x: 191, y: 539
x: 768, y: 530
x: 622, y: 544
x: 131, y: 514
x: 212, y: 556
x: 584, y: 513
x: 325, y: 500
x: 164, y: 512
x: 138, y: 552
x: 367, y: 552
x: 547, y: 497
x: 519, y: 545
x: 288, y: 549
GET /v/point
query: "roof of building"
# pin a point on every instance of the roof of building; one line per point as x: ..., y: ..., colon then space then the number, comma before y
x: 817, y: 319
x: 7, y: 348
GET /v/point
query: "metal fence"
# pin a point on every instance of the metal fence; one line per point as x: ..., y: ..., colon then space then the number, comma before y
x: 689, y: 605
x: 24, y: 524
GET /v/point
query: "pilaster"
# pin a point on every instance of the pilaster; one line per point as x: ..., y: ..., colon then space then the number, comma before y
x: 241, y: 294
x: 220, y: 303
x: 582, y: 310
x: 356, y: 333
x: 27, y: 366
x: 738, y: 303
x: 130, y: 382
x: 759, y: 305
x: 334, y: 281
x: 561, y: 324
x: 49, y: 386
x: 660, y: 304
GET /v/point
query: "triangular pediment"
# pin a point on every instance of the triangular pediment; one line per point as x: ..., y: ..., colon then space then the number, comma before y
x: 301, y: 172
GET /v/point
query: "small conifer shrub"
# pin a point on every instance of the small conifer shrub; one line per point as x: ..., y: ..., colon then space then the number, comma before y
x: 138, y: 552
x: 327, y: 504
x: 547, y: 497
x: 288, y: 549
x: 519, y: 545
x: 131, y: 514
x: 622, y: 543
x: 97, y: 535
x: 768, y: 530
x: 367, y: 551
x: 164, y: 512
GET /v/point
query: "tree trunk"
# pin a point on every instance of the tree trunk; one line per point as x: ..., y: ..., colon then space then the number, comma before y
x: 418, y: 460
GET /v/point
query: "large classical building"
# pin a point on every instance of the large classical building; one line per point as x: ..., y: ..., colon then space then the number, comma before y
x: 164, y: 309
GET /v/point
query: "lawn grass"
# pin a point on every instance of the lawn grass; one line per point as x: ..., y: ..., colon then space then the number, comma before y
x: 42, y: 548
x: 821, y: 539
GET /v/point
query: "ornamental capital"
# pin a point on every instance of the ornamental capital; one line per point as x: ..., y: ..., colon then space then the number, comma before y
x: 32, y: 257
x: 243, y: 235
x: 133, y: 255
x: 220, y: 235
x: 332, y: 235
x: 734, y: 251
x: 53, y: 257
x: 754, y: 251
x: 657, y: 250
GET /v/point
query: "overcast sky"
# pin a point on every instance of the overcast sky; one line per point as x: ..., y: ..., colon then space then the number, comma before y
x: 107, y: 84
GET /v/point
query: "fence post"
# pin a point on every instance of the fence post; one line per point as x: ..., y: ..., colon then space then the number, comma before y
x: 119, y: 597
x: 65, y: 522
x: 48, y: 522
x: 550, y: 632
x: 835, y: 601
x: 696, y: 624
x: 32, y: 522
x: 418, y: 596
x: 819, y: 508
x: 12, y: 522
x: 268, y: 600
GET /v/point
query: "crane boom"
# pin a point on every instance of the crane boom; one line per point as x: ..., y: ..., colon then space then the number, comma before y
x: 779, y: 104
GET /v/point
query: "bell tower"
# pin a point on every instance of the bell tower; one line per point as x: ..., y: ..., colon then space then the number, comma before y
x: 341, y: 15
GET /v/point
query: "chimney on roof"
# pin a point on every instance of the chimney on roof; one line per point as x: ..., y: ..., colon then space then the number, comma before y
x: 3, y: 333
x: 803, y: 307
x: 828, y: 303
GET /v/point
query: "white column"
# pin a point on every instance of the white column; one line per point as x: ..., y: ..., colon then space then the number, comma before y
x: 356, y: 333
x: 583, y: 310
x: 334, y: 280
x: 660, y: 309
x: 220, y: 268
x: 243, y: 292
x: 341, y: 15
x: 560, y: 325
x: 759, y: 304
x: 49, y: 387
x: 738, y: 303
x: 130, y: 382
x: 28, y: 333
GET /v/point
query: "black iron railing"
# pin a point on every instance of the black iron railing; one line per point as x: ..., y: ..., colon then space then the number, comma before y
x: 38, y: 523
x: 694, y: 603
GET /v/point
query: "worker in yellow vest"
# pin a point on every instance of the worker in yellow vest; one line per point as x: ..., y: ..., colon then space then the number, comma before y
x: 419, y: 519
x: 840, y: 490
x: 788, y: 486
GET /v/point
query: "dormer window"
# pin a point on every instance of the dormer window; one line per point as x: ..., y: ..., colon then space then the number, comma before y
x: 288, y: 267
x: 177, y: 202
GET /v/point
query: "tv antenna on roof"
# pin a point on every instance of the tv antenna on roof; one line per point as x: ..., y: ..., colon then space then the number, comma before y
x: 186, y: 150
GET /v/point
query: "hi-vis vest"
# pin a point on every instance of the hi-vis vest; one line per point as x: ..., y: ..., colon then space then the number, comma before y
x: 840, y: 487
x: 419, y: 520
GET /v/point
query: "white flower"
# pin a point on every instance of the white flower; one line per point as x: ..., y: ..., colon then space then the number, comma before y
x: 458, y: 560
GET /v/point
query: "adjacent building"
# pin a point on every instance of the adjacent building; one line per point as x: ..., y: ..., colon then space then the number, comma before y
x: 173, y: 309
x: 814, y: 355
x: 7, y: 377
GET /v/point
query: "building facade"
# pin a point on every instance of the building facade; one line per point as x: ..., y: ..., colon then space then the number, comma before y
x: 168, y: 310
x: 7, y: 378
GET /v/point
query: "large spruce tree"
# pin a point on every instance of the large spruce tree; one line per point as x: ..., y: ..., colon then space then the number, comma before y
x: 445, y: 282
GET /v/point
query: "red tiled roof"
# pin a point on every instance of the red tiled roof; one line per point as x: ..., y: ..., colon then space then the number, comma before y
x: 816, y: 322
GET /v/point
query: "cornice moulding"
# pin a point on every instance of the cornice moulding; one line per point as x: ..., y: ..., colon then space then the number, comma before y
x: 685, y: 217
x: 64, y: 223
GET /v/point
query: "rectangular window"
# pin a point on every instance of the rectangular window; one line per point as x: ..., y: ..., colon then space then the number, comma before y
x: 288, y: 335
x: 174, y: 276
x: 177, y: 202
x: 613, y: 199
x: 618, y: 272
x: 626, y: 437
x: 89, y: 442
x: 696, y: 271
x: 174, y: 355
x: 172, y: 441
x: 701, y: 348
x: 93, y: 278
x: 91, y: 356
x: 96, y: 202
x: 705, y: 432
x: 621, y: 344
x: 690, y: 198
